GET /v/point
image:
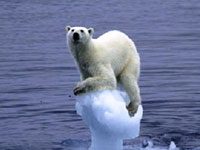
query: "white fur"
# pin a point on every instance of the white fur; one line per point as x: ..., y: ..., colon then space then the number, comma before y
x: 103, y: 62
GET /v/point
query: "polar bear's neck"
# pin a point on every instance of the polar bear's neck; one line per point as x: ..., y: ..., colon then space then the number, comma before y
x: 82, y: 52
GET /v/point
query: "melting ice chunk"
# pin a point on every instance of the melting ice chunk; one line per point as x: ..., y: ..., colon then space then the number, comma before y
x: 106, y: 115
x: 172, y: 146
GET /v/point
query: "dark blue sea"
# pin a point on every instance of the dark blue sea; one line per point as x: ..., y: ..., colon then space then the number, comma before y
x: 38, y: 73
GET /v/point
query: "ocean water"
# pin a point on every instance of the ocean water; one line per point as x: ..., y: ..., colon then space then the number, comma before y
x: 37, y: 72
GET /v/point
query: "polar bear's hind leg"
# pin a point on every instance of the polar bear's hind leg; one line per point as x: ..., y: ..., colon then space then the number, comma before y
x: 128, y: 78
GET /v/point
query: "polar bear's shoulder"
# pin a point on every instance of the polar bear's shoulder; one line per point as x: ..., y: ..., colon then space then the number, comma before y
x: 114, y: 37
x: 112, y: 34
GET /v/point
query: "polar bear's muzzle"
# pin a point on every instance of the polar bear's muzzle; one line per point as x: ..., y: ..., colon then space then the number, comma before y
x: 76, y: 37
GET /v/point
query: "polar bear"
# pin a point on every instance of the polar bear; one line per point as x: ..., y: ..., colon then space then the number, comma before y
x: 106, y: 61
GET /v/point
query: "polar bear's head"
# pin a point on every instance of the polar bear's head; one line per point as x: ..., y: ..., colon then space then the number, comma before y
x: 77, y: 35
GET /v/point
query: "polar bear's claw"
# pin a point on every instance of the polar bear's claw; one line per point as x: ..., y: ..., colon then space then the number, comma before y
x: 78, y: 90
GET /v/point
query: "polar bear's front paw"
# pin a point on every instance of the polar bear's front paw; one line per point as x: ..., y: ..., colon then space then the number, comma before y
x: 80, y: 88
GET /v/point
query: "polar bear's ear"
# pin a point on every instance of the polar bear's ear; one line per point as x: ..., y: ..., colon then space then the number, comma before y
x: 67, y: 28
x: 90, y: 31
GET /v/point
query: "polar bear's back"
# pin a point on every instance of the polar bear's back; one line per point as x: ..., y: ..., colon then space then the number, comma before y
x: 115, y: 36
x: 118, y: 48
x: 116, y: 40
x: 112, y: 34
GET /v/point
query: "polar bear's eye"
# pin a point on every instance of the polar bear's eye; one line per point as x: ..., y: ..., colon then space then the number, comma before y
x: 72, y: 30
x: 81, y: 31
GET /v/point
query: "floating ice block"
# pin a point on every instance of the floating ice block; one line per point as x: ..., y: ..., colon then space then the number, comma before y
x: 106, y: 115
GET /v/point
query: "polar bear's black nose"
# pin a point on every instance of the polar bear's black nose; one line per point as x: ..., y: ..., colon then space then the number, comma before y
x: 76, y: 36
